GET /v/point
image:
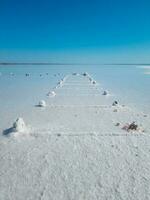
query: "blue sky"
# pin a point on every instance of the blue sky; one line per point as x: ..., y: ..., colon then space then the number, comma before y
x: 63, y: 30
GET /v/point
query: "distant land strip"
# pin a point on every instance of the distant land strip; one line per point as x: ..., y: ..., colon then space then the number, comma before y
x: 50, y: 63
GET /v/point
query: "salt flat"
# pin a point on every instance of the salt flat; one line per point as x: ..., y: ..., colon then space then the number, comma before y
x: 74, y: 150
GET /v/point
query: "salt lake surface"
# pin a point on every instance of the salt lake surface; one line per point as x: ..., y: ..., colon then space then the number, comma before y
x: 129, y: 84
x: 77, y: 147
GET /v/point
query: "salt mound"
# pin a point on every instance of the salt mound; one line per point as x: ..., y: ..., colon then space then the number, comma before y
x: 42, y: 103
x: 115, y: 103
x: 11, y: 73
x: 19, y: 125
x: 51, y: 94
x: 94, y: 82
x: 105, y: 92
x: 60, y: 83
x: 86, y: 74
x: 74, y: 74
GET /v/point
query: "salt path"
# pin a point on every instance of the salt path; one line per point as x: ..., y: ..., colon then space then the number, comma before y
x: 76, y: 152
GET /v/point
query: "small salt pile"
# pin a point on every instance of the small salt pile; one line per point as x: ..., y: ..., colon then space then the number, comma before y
x: 85, y: 74
x: 42, y: 103
x: 19, y: 125
x: 60, y: 83
x: 51, y: 94
x: 105, y: 92
x: 74, y: 74
x: 115, y: 103
x: 94, y: 82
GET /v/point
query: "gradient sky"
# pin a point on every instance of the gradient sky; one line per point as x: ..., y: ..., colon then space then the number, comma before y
x: 67, y: 30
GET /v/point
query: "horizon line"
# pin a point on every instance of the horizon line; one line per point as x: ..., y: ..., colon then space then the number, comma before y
x: 55, y: 63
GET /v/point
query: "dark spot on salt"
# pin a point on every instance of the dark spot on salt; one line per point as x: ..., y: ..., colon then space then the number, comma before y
x: 84, y: 74
x: 115, y: 103
x: 74, y: 74
x: 132, y: 126
x: 115, y: 110
x: 117, y: 124
x: 105, y: 93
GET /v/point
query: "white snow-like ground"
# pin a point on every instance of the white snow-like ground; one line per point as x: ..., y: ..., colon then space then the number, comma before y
x: 74, y: 151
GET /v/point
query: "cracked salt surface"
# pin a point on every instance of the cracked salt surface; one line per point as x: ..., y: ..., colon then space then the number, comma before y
x: 75, y: 151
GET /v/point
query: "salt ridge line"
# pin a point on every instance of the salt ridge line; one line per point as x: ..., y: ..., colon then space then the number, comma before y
x: 85, y: 134
x: 78, y: 84
x: 101, y: 106
x: 76, y: 95
x: 109, y: 107
x: 75, y: 88
x: 82, y: 87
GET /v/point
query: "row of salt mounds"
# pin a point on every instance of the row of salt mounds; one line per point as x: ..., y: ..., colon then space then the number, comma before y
x: 59, y: 84
x: 19, y: 125
x: 78, y: 89
x: 89, y: 77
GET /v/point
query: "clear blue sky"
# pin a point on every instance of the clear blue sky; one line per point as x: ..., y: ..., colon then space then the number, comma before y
x: 74, y: 29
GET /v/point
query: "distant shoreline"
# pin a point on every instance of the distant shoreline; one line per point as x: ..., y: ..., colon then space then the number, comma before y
x: 50, y: 63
